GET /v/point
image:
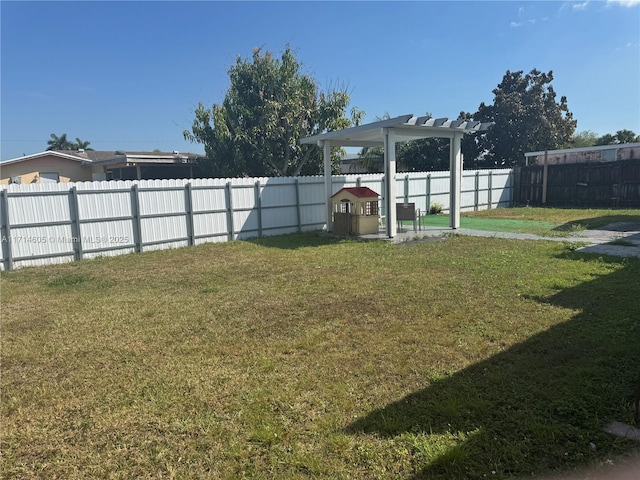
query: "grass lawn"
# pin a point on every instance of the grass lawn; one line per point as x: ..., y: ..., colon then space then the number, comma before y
x: 301, y: 356
x: 539, y: 221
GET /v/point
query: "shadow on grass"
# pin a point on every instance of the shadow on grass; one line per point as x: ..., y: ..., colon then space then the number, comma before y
x: 629, y: 222
x: 294, y: 241
x: 539, y: 406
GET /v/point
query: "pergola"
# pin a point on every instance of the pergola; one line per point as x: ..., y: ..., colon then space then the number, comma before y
x: 385, y: 134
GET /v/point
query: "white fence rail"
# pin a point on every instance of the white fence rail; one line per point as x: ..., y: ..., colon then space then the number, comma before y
x: 55, y: 223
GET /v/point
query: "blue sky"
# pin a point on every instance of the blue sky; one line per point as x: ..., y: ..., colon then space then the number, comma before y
x: 128, y: 75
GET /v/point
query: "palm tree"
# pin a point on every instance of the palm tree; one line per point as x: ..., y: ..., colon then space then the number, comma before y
x: 59, y: 142
x: 80, y: 145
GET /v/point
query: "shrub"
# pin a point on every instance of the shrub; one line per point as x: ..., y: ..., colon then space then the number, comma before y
x: 435, y: 208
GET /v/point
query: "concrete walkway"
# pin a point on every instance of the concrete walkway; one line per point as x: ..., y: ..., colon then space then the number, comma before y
x: 624, y: 235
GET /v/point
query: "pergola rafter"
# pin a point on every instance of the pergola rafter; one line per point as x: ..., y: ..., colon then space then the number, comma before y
x: 385, y: 134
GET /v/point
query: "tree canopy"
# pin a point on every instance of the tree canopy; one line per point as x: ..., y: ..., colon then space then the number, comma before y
x: 268, y: 107
x: 589, y: 138
x: 527, y: 117
x: 61, y: 142
x: 621, y: 136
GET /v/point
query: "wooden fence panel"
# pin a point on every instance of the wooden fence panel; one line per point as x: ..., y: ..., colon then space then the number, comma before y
x: 604, y: 185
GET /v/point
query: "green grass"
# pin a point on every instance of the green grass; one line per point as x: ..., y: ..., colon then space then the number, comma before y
x: 538, y: 221
x: 301, y: 356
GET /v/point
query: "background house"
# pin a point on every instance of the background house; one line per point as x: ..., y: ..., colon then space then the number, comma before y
x: 81, y: 166
x: 598, y: 154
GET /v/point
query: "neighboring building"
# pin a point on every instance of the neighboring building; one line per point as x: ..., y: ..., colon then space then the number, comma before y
x: 82, y: 166
x: 599, y: 154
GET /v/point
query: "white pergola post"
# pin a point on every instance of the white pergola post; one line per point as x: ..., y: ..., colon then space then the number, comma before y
x: 390, y: 181
x: 326, y: 149
x: 455, y: 169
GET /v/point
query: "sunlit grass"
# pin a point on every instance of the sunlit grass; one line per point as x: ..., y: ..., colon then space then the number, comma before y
x: 301, y: 356
x: 553, y: 222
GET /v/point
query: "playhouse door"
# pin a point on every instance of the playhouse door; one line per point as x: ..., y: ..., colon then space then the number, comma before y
x: 342, y: 223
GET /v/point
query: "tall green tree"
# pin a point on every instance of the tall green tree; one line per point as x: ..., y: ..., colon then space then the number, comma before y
x: 527, y: 117
x: 269, y: 106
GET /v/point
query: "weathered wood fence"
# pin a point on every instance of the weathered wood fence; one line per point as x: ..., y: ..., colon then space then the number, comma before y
x: 54, y: 223
x: 608, y: 185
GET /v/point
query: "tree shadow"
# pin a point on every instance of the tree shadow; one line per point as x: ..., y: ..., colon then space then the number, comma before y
x: 540, y: 403
x: 294, y: 241
x: 616, y: 223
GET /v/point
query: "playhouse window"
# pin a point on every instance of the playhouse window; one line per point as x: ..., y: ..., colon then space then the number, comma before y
x: 345, y: 206
x: 371, y: 208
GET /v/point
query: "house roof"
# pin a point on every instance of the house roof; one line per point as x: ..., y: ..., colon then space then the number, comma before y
x: 616, y: 146
x: 65, y: 155
x: 360, y: 192
x: 101, y: 157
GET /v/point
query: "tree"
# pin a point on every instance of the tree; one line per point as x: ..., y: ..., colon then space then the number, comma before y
x: 626, y: 136
x: 621, y: 136
x: 80, y: 145
x: 526, y: 118
x: 425, y: 154
x: 269, y: 106
x: 413, y: 156
x: 59, y: 142
x: 586, y: 138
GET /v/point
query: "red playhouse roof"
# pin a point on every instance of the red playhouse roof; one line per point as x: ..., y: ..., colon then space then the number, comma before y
x: 360, y: 192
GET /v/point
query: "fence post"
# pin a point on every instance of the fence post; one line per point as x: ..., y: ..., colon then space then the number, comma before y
x: 6, y: 230
x: 188, y: 206
x: 298, y: 213
x: 76, y: 239
x: 489, y: 193
x: 428, y: 193
x: 258, y: 200
x: 135, y: 218
x: 229, y: 199
x: 476, y: 193
x: 382, y: 200
x: 358, y: 182
x: 406, y: 189
x: 545, y: 177
x: 516, y: 186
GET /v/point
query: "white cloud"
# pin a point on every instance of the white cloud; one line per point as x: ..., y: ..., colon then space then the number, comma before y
x: 624, y: 3
x: 580, y: 6
x: 515, y: 24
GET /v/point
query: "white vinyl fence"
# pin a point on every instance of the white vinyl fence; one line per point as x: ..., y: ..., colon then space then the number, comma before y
x: 60, y: 222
